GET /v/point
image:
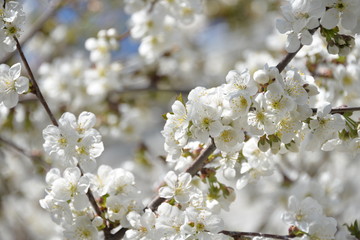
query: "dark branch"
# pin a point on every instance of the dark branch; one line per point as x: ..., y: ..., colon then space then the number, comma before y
x: 240, y: 235
x: 36, y: 88
x: 33, y: 157
x: 340, y: 110
x: 286, y: 60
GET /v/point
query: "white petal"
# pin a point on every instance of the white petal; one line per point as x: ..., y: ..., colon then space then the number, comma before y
x: 87, y: 120
x: 11, y: 99
x: 15, y: 71
x: 348, y: 20
x: 72, y: 174
x: 171, y: 179
x: 330, y: 18
x: 306, y: 38
x: 166, y: 192
x: 22, y: 85
x: 293, y: 43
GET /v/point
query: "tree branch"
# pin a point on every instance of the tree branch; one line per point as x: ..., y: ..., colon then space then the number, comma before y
x: 240, y: 235
x: 36, y: 88
x: 286, y: 60
x: 33, y: 157
x: 340, y: 110
x: 196, y: 166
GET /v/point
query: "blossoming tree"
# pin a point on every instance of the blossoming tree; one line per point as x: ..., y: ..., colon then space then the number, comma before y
x: 265, y: 146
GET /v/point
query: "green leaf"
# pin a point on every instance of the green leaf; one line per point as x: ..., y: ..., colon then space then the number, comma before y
x: 354, y: 229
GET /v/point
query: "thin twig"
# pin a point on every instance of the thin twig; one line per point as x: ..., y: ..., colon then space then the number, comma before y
x: 19, y: 149
x: 340, y: 110
x: 37, y: 26
x: 240, y: 235
x: 33, y: 156
x: 123, y: 35
x: 286, y: 60
x: 196, y: 166
x: 37, y: 91
x: 150, y: 89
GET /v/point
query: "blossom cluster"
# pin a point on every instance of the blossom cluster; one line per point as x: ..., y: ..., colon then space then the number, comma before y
x: 74, y: 142
x: 157, y: 23
x: 69, y: 205
x: 74, y: 146
x: 187, y: 213
x: 12, y: 18
x: 271, y: 108
x: 302, y: 17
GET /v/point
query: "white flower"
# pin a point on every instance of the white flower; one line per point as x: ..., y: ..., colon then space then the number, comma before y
x: 74, y: 141
x: 60, y: 211
x: 347, y: 10
x: 287, y: 127
x: 121, y: 182
x: 206, y: 122
x: 294, y: 86
x: 300, y: 17
x: 81, y: 229
x: 324, y: 229
x: 230, y: 139
x: 98, y: 182
x: 302, y: 214
x: 116, y: 208
x: 87, y: 149
x: 277, y: 101
x: 142, y: 227
x: 60, y: 142
x: 324, y: 127
x: 71, y: 184
x: 240, y: 84
x: 169, y: 222
x: 200, y: 223
x: 258, y: 164
x: 259, y: 119
x: 12, y: 19
x: 12, y: 84
x: 177, y: 187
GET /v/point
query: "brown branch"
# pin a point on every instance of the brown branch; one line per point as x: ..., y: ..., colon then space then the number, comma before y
x: 340, y: 110
x: 240, y: 235
x: 123, y: 36
x: 150, y: 89
x: 36, y: 89
x: 286, y: 60
x: 33, y: 157
x: 196, y: 166
x: 38, y: 25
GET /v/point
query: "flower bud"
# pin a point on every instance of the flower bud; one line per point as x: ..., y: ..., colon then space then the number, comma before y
x: 260, y: 76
